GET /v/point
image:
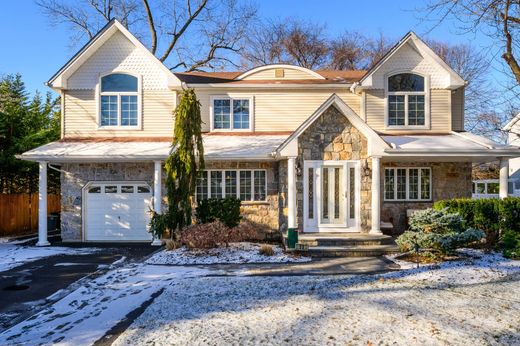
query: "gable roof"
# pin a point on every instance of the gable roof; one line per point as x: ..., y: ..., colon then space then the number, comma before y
x: 513, y: 122
x: 376, y: 145
x: 58, y: 80
x: 422, y: 48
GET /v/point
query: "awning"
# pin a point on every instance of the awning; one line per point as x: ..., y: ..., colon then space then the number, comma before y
x: 216, y: 147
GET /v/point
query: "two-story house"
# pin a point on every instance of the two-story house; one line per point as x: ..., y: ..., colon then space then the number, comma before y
x: 321, y: 151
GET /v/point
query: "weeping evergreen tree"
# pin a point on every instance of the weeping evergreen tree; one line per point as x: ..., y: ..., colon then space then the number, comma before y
x: 185, y: 161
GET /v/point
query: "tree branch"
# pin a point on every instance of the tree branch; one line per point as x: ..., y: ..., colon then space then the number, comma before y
x: 151, y: 26
x: 508, y: 55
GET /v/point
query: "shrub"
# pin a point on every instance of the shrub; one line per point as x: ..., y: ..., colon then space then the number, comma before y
x: 511, y: 244
x: 437, y: 230
x: 227, y: 210
x: 496, y: 217
x: 170, y: 244
x: 213, y: 234
x: 266, y: 250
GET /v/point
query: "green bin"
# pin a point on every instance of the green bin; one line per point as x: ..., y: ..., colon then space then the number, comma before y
x: 292, y: 238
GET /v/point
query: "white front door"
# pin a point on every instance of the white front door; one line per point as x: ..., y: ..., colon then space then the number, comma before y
x: 331, y: 196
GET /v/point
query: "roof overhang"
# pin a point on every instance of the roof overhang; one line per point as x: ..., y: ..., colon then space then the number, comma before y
x: 376, y: 145
x: 59, y: 80
x: 513, y: 122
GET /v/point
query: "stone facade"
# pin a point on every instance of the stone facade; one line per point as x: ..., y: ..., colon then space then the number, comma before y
x: 79, y: 174
x: 449, y: 180
x: 331, y: 137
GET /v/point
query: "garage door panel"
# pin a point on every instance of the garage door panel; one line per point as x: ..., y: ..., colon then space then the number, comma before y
x: 121, y: 215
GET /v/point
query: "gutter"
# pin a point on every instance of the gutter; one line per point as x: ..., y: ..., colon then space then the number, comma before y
x: 444, y: 152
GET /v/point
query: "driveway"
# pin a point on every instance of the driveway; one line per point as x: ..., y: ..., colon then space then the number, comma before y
x: 29, y: 287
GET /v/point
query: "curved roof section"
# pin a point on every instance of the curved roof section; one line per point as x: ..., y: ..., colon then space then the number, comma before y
x: 304, y: 73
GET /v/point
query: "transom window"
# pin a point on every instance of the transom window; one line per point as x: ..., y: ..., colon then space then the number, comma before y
x: 406, y: 100
x: 407, y: 184
x: 246, y: 185
x: 119, y: 100
x: 231, y: 113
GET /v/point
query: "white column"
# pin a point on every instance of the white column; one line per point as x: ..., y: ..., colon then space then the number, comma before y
x: 376, y: 195
x: 291, y: 191
x: 157, y: 194
x: 504, y: 175
x: 42, y: 206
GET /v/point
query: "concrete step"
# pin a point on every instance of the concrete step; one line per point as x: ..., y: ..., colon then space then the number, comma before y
x: 344, y: 240
x: 350, y: 251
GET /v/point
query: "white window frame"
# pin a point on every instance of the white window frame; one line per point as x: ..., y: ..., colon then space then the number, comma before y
x: 426, y: 93
x: 407, y: 199
x: 138, y: 93
x: 223, y: 183
x: 231, y: 99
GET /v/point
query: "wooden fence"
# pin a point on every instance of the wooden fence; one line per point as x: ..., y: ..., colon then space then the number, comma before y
x: 19, y: 213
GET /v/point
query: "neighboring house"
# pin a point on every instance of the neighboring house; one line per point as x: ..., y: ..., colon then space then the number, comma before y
x: 322, y: 151
x: 513, y: 129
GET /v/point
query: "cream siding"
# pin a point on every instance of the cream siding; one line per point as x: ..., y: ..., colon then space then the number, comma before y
x: 288, y: 74
x: 81, y: 115
x: 440, y: 111
x: 457, y: 109
x: 278, y: 110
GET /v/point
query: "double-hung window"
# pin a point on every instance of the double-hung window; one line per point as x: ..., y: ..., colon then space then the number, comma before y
x: 231, y: 114
x: 407, y: 184
x: 406, y: 101
x: 119, y: 101
x: 246, y: 185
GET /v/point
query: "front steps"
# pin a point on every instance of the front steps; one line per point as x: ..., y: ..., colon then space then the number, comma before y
x: 346, y: 245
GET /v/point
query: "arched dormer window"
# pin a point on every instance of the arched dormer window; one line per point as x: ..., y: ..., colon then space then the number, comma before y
x: 406, y: 100
x: 119, y: 100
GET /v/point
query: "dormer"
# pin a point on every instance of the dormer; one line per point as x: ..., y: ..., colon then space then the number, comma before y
x: 279, y: 72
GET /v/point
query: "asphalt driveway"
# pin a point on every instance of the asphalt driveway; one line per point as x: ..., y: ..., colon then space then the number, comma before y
x: 28, y: 288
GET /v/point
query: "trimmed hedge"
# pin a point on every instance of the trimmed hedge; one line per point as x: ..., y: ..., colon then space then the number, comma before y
x: 499, y: 218
x: 226, y: 210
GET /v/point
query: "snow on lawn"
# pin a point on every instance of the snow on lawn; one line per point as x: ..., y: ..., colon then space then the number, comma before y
x: 86, y: 314
x: 13, y: 255
x: 469, y: 302
x: 235, y: 253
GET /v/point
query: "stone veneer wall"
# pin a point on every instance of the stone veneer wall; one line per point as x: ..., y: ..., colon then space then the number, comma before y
x: 330, y: 137
x: 263, y: 215
x: 79, y: 174
x: 449, y: 180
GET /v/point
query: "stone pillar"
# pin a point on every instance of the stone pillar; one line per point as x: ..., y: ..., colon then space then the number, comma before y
x: 42, y: 206
x: 291, y: 191
x: 376, y: 196
x: 157, y: 194
x: 504, y: 175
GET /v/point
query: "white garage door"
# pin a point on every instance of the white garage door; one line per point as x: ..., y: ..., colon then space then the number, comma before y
x: 117, y: 211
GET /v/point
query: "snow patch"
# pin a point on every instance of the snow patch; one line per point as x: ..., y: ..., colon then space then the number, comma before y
x: 237, y: 253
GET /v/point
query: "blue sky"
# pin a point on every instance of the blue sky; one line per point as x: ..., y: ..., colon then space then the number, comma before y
x: 35, y: 49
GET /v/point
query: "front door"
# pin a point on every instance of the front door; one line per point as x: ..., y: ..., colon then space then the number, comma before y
x: 331, y: 196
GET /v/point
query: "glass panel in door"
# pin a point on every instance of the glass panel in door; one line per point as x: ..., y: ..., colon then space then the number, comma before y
x: 332, y: 206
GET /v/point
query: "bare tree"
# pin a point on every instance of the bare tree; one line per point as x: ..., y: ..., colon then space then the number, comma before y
x: 193, y: 34
x: 499, y: 19
x: 350, y: 51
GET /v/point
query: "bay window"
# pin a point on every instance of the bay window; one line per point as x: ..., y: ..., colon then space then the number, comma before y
x: 407, y: 184
x: 406, y: 106
x: 231, y: 114
x: 246, y: 185
x: 119, y: 101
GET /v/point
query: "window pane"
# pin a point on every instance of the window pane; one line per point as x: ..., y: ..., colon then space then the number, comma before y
x: 401, y: 183
x: 481, y: 188
x: 352, y: 194
x: 336, y: 192
x: 117, y: 82
x: 221, y: 114
x: 493, y: 188
x: 406, y: 82
x: 260, y: 185
x: 127, y: 189
x: 325, y: 193
x: 241, y: 114
x: 415, y: 109
x: 216, y: 184
x: 128, y: 110
x: 202, y: 186
x: 245, y: 185
x: 108, y: 110
x: 143, y: 189
x: 110, y: 189
x: 310, y: 190
x: 94, y: 189
x: 413, y: 184
x: 231, y: 183
x: 389, y: 183
x: 425, y: 184
x: 395, y: 110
